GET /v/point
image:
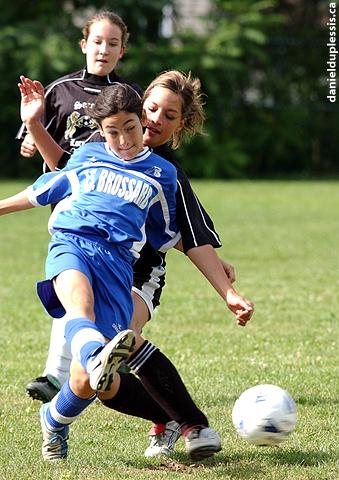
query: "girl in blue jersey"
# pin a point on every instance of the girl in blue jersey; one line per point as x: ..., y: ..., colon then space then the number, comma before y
x: 119, y: 194
x: 164, y: 117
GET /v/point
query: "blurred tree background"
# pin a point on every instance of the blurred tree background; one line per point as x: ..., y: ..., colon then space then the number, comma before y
x: 262, y: 65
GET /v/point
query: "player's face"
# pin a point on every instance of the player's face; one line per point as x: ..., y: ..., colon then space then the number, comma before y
x: 163, y: 109
x: 123, y: 132
x: 103, y: 48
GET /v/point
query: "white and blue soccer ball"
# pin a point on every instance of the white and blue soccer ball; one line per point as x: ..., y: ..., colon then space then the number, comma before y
x: 264, y: 415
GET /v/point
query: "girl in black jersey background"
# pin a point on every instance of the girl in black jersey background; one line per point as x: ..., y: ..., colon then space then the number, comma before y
x: 104, y: 42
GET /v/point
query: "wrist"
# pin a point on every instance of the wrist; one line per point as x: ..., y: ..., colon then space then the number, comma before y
x: 32, y: 123
x: 229, y: 291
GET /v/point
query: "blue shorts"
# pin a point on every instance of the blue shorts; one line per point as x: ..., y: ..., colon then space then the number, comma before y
x: 109, y: 270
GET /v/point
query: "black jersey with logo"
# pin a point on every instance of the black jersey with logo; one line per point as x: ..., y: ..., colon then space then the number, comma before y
x: 66, y: 100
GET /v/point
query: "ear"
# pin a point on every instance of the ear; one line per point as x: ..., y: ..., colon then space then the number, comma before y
x: 101, y: 131
x: 180, y: 126
x: 83, y: 45
x: 122, y: 53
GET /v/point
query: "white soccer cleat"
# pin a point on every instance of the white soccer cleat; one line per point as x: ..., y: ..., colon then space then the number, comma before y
x: 54, y: 445
x: 163, y: 443
x: 202, y: 442
x: 103, y: 367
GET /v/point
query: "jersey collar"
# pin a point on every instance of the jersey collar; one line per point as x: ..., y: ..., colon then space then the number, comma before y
x: 98, y: 80
x: 145, y: 152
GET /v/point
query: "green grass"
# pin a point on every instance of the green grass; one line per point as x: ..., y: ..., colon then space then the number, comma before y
x: 283, y: 239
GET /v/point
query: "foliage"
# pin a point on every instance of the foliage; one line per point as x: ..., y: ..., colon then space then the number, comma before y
x: 262, y: 64
x: 262, y: 68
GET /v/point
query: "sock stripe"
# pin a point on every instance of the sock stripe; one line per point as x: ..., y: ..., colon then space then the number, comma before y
x: 141, y: 357
x: 57, y: 417
x: 84, y: 336
x: 65, y: 407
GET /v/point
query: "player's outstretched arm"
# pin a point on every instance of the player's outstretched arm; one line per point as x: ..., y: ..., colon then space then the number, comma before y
x: 15, y: 203
x: 207, y: 261
x: 31, y: 111
x: 228, y: 268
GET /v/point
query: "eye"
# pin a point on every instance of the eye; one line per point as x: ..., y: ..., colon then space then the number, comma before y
x: 131, y: 128
x: 112, y: 134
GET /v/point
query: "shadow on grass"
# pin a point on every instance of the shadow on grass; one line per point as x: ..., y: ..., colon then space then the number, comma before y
x: 291, y: 457
x: 240, y: 466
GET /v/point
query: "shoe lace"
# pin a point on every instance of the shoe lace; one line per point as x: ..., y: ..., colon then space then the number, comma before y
x: 168, y: 437
x: 56, y: 442
x: 157, y: 440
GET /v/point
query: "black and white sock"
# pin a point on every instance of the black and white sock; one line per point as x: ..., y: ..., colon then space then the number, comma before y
x: 133, y: 399
x: 163, y: 382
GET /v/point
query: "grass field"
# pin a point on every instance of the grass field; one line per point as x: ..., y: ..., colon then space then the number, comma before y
x: 283, y: 239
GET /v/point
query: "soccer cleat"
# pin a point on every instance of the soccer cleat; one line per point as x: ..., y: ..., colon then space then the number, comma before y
x: 54, y: 444
x: 102, y: 368
x: 43, y: 388
x: 162, y: 443
x: 202, y: 442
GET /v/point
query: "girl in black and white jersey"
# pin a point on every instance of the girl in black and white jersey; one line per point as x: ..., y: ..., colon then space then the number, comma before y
x: 104, y: 42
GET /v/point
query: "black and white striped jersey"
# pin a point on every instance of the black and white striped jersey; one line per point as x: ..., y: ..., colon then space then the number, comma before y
x: 196, y: 228
x: 194, y: 223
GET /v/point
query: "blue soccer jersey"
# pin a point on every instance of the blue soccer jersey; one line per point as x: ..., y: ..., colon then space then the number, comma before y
x: 106, y: 208
x: 123, y: 202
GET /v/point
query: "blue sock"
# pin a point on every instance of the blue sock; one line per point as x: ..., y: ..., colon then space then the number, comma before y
x: 83, y: 339
x: 65, y: 408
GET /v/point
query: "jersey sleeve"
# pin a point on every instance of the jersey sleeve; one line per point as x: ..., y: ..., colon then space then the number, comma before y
x: 161, y: 226
x: 50, y: 188
x: 193, y: 221
x: 76, y: 159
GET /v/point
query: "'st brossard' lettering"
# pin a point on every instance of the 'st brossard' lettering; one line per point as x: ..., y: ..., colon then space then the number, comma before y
x: 131, y: 189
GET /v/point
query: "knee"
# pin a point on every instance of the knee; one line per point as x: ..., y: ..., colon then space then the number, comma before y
x: 141, y: 314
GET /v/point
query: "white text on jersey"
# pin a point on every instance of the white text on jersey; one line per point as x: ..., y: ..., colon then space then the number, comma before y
x: 131, y: 189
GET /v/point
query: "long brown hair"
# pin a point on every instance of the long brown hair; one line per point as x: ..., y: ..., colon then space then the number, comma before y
x: 189, y: 90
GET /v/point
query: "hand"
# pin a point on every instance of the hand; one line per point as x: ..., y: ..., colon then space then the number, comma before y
x: 229, y: 270
x: 28, y: 147
x: 32, y: 99
x: 240, y: 306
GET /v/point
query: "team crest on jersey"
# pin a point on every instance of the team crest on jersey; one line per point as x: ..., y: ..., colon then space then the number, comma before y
x: 75, y: 120
x: 155, y: 171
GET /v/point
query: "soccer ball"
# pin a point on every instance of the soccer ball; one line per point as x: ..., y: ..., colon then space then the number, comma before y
x: 264, y: 415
